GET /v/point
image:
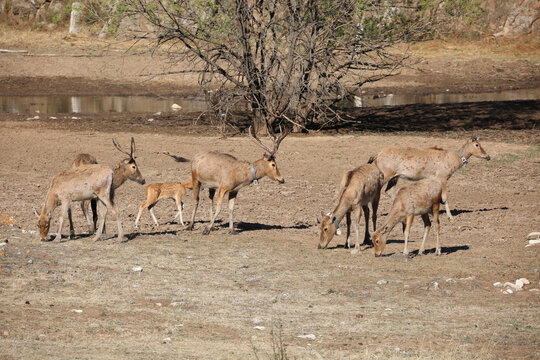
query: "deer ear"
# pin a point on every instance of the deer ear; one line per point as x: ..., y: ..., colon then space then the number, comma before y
x: 384, y: 230
x: 126, y: 161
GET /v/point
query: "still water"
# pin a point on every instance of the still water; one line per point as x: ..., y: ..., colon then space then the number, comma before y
x: 134, y: 104
x: 96, y: 104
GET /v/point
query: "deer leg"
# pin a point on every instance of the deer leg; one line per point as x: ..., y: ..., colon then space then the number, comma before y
x: 367, y: 240
x: 407, y: 231
x: 151, y: 208
x: 374, y: 208
x: 71, y: 229
x: 180, y: 206
x: 211, y: 193
x: 101, y: 225
x: 63, y: 211
x: 427, y: 227
x: 356, y: 249
x: 84, y: 208
x: 348, y: 239
x: 141, y: 208
x: 196, y: 191
x: 444, y: 198
x: 221, y: 194
x: 437, y: 227
x: 93, y: 205
x: 232, y: 198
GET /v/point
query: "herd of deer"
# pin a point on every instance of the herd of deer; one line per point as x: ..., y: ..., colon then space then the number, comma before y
x: 90, y: 182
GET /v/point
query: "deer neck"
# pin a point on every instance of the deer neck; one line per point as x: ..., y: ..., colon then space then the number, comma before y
x: 459, y: 158
x: 50, y: 204
x: 340, y: 211
x: 256, y: 171
x: 119, y: 176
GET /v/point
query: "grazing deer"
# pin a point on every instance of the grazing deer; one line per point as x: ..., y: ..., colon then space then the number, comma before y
x: 358, y: 188
x: 418, y: 198
x: 416, y: 164
x: 155, y: 192
x: 126, y: 169
x: 226, y: 174
x: 85, y: 183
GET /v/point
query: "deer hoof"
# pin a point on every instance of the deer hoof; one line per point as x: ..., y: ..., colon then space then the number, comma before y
x: 233, y: 232
x: 206, y: 231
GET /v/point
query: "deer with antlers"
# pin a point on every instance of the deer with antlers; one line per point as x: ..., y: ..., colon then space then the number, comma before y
x: 126, y: 169
x: 434, y: 162
x: 227, y: 175
x: 158, y: 191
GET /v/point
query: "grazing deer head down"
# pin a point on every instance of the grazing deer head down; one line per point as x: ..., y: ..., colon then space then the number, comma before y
x: 128, y: 168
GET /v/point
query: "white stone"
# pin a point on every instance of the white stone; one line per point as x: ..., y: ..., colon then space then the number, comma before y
x: 498, y: 284
x: 77, y: 311
x: 382, y: 282
x: 150, y: 120
x: 259, y: 327
x: 307, y: 336
x: 525, y: 281
x: 519, y: 283
x: 176, y: 107
x: 137, y: 268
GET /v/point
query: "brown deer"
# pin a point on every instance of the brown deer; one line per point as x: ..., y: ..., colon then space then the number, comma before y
x: 155, y: 192
x: 126, y: 169
x: 416, y: 164
x: 226, y: 174
x: 417, y: 198
x: 359, y: 188
x: 85, y: 183
x: 80, y: 160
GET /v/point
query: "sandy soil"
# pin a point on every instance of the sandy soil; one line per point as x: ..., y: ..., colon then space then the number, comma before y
x: 226, y: 296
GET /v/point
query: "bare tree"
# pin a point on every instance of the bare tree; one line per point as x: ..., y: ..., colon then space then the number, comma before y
x: 282, y: 60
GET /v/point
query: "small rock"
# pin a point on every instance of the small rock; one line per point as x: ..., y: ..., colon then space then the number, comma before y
x: 78, y: 311
x: 150, y: 120
x: 75, y: 118
x: 498, y: 284
x: 137, y: 268
x: 30, y: 261
x: 450, y: 281
x: 53, y: 117
x: 259, y: 327
x: 158, y: 113
x: 167, y: 340
x: 179, y: 325
x: 448, y: 292
x: 158, y: 304
x: 525, y: 281
x: 434, y: 285
x: 176, y: 107
x: 519, y: 283
x: 382, y: 282
x: 467, y: 278
x: 307, y: 336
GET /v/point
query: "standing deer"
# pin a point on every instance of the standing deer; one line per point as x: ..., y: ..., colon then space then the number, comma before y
x: 155, y: 192
x: 418, y: 198
x: 416, y: 164
x: 85, y: 183
x: 226, y: 174
x: 358, y: 188
x: 126, y: 169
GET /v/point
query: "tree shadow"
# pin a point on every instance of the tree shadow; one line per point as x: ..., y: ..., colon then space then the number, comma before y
x: 512, y: 115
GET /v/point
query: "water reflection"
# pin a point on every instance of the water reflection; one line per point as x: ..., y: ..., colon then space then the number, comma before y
x: 95, y: 104
x: 134, y: 104
x: 445, y: 98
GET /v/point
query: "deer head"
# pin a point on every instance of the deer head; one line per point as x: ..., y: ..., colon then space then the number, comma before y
x: 269, y: 157
x: 129, y: 166
x: 473, y: 148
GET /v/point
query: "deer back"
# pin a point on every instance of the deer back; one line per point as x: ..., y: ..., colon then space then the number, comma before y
x: 82, y: 159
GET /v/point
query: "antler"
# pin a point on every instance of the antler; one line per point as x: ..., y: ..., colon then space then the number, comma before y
x: 268, y: 153
x: 117, y: 146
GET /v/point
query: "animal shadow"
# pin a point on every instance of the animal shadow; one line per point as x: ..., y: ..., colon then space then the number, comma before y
x: 456, y: 212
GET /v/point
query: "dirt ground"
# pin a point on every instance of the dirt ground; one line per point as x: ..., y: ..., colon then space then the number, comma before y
x: 268, y: 288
